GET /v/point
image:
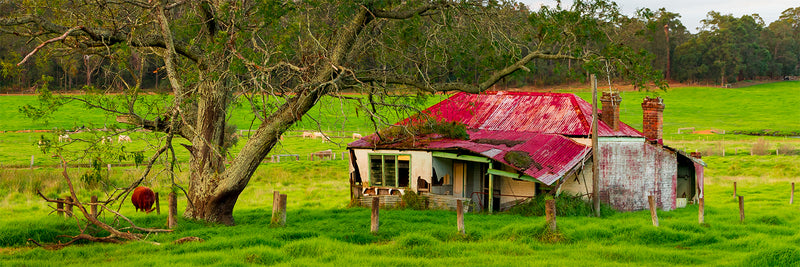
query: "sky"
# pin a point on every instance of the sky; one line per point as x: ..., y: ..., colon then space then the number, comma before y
x: 692, y: 11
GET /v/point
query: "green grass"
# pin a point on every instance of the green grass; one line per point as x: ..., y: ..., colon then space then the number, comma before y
x: 322, y: 230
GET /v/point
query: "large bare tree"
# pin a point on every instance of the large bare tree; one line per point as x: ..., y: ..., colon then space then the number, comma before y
x: 284, y: 56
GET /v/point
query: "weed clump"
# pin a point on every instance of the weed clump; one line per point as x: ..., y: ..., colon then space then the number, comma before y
x: 760, y: 147
x: 565, y: 206
x: 414, y: 201
x: 775, y: 257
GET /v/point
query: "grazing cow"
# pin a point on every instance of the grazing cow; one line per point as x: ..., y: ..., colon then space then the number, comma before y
x: 308, y: 134
x: 143, y: 199
x: 64, y: 138
x: 124, y: 138
x: 357, y: 136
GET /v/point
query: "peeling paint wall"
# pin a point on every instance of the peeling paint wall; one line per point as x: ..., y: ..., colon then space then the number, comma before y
x: 520, y: 188
x: 420, y: 164
x: 631, y: 170
x: 579, y: 183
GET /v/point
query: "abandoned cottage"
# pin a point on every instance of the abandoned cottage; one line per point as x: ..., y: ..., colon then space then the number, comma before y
x: 521, y: 144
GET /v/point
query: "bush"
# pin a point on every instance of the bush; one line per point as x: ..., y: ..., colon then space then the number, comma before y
x: 411, y: 200
x: 760, y: 147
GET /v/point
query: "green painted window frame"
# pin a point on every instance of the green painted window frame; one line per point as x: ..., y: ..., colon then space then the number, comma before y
x: 383, y: 171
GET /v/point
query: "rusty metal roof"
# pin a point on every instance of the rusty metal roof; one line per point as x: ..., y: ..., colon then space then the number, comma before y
x: 550, y: 156
x: 533, y: 125
x: 551, y: 113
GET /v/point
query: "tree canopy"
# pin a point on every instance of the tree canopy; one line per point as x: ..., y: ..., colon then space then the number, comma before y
x: 282, y: 57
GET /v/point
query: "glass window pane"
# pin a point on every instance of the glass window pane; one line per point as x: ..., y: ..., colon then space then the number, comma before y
x: 375, y: 169
x: 389, y: 170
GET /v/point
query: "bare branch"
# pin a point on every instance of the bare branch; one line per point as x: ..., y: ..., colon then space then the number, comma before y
x: 62, y: 37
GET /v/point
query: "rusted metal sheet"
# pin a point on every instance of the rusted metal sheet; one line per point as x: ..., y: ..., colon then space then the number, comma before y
x: 552, y: 113
x: 631, y: 171
x: 551, y: 155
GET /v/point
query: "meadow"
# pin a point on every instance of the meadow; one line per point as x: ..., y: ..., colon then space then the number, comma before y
x: 323, y: 230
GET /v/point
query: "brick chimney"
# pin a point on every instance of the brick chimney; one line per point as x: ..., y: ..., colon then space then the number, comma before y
x: 653, y: 109
x: 610, y: 112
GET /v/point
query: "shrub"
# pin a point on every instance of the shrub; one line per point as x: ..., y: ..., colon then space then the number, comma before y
x: 760, y: 147
x: 411, y: 200
x: 787, y: 149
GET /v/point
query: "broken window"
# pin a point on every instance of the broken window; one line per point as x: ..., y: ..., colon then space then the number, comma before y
x: 389, y: 170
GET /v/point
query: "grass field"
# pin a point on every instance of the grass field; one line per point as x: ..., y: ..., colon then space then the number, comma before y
x: 322, y: 230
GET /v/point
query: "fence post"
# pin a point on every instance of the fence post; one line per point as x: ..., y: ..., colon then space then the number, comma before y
x: 94, y: 206
x: 275, y: 198
x: 69, y: 206
x: 282, y: 210
x: 791, y: 199
x: 60, y: 207
x: 460, y: 216
x: 653, y: 214
x: 374, y: 222
x: 734, y: 189
x: 550, y: 213
x: 701, y: 213
x: 158, y: 205
x: 741, y: 209
x: 172, y: 201
x: 31, y: 162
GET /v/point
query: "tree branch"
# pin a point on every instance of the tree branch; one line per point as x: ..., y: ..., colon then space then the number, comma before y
x: 62, y: 37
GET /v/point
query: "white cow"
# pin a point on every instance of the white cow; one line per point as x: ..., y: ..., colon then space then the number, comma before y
x: 357, y: 136
x: 308, y: 134
x: 124, y: 138
x: 105, y: 139
x: 64, y: 138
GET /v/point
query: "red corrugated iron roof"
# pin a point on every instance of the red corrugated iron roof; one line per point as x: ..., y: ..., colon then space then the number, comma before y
x: 551, y: 155
x: 552, y: 113
x: 525, y: 123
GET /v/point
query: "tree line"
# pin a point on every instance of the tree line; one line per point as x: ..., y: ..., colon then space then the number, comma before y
x: 726, y: 49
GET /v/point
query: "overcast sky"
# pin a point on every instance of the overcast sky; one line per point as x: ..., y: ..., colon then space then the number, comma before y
x: 692, y: 11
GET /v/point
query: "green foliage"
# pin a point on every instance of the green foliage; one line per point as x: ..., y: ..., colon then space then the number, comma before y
x: 424, y: 126
x: 565, y: 206
x: 48, y: 103
x: 93, y: 177
x: 414, y: 201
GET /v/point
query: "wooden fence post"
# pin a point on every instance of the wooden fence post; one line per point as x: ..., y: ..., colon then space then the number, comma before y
x: 282, y: 210
x: 734, y: 189
x: 701, y: 213
x: 275, y: 199
x: 158, y: 205
x: 60, y: 207
x: 172, y: 201
x: 741, y: 209
x: 550, y: 213
x: 653, y: 214
x: 69, y: 206
x: 460, y: 216
x: 31, y: 162
x: 94, y: 206
x: 374, y: 225
x: 791, y: 199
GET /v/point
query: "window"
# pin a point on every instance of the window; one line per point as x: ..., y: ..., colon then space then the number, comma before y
x: 389, y: 170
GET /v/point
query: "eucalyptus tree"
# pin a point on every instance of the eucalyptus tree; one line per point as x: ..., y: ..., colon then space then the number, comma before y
x: 285, y: 56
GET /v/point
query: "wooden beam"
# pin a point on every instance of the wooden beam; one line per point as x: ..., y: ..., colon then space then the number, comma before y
x: 491, y: 190
x: 512, y: 175
x: 439, y: 154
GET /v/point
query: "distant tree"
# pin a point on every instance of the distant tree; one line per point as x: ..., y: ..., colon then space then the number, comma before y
x: 284, y: 56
